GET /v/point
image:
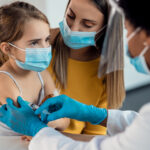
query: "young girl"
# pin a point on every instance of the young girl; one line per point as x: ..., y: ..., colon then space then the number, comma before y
x: 25, y: 53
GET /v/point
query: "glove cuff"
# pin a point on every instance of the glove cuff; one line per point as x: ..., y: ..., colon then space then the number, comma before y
x: 38, y: 128
x: 97, y: 115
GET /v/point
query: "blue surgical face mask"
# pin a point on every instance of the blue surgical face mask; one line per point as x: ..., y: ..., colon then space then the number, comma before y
x: 76, y: 39
x: 36, y: 59
x: 138, y: 62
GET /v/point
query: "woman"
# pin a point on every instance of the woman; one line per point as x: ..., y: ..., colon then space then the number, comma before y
x: 76, y: 61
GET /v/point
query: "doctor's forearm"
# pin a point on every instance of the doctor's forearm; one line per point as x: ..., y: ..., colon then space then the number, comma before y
x: 49, y: 138
x: 118, y: 120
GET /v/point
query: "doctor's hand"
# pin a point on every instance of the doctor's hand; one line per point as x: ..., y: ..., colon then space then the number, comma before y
x: 20, y: 119
x: 63, y: 106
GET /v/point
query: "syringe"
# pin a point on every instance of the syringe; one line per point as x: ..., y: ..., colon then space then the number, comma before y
x: 35, y: 107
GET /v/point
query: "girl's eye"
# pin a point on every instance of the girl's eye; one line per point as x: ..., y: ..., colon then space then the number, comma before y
x: 48, y: 39
x: 34, y: 43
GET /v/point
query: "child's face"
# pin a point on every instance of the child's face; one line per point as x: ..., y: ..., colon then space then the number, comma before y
x: 36, y: 35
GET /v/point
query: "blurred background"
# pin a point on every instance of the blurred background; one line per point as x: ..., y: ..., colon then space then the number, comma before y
x: 137, y: 85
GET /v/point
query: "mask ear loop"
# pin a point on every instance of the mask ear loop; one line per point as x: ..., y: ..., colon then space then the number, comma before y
x: 142, y: 55
x: 133, y: 34
x: 16, y: 47
x: 66, y: 24
x: 100, y: 33
x: 144, y: 50
x: 13, y: 57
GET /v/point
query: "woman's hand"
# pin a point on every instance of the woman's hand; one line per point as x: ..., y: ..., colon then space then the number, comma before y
x: 63, y: 106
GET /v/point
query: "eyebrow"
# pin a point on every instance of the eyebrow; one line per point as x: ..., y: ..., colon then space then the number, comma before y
x: 34, y: 40
x: 89, y: 20
x: 83, y: 19
x: 38, y: 39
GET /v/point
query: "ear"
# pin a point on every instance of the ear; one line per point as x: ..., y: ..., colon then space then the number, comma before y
x: 148, y: 40
x: 5, y: 48
x: 145, y: 37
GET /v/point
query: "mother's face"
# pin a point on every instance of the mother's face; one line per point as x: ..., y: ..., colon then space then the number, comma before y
x: 84, y: 16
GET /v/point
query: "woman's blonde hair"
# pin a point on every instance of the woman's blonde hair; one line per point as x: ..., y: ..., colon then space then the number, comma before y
x: 12, y: 20
x: 114, y: 80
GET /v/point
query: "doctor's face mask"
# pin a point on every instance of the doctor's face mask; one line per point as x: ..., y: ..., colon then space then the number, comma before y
x: 138, y: 62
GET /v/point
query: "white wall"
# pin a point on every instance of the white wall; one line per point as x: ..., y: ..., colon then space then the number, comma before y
x: 54, y: 9
x: 38, y: 3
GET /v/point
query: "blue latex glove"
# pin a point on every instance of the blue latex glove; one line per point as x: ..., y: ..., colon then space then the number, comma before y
x: 20, y: 119
x: 63, y: 106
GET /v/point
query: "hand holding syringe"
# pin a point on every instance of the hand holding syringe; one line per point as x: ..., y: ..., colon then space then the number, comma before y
x: 35, y: 107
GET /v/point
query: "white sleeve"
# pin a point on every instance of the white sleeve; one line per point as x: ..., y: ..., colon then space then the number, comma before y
x: 118, y: 120
x: 49, y: 138
x: 135, y: 137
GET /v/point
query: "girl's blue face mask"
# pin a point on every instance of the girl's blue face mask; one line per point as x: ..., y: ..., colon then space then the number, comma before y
x: 36, y: 59
x: 138, y: 62
x: 76, y: 39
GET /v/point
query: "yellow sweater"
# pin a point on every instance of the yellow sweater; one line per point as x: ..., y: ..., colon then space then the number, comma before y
x: 84, y: 85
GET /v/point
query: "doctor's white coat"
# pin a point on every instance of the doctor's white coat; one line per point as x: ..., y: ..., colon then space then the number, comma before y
x: 128, y: 130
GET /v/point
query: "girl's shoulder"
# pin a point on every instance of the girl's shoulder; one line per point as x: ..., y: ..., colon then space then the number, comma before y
x: 46, y: 76
x: 7, y: 88
x: 49, y: 84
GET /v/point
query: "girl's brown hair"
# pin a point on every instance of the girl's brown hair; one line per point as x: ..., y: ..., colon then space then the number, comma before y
x: 12, y: 20
x: 114, y: 80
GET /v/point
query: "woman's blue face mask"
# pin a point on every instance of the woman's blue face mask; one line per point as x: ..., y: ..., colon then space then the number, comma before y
x: 76, y: 39
x: 138, y: 62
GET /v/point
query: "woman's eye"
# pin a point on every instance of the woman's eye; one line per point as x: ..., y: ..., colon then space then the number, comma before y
x: 71, y: 17
x: 88, y: 26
